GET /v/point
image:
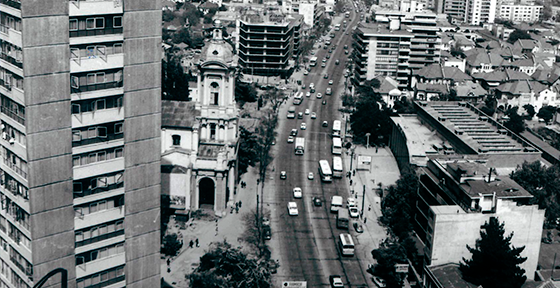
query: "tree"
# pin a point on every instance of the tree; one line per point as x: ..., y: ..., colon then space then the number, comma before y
x: 495, y: 262
x: 252, y: 234
x: 175, y: 83
x: 530, y: 109
x: 191, y: 13
x: 171, y: 245
x: 518, y: 34
x: 305, y: 47
x: 547, y: 113
x: 515, y: 123
x: 456, y: 51
x: 369, y: 118
x: 275, y: 97
x: 245, y: 92
x: 226, y: 267
x: 387, y: 255
x: 398, y: 206
x: 248, y: 150
x: 339, y: 7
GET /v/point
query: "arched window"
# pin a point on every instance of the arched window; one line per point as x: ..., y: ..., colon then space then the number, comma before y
x: 213, y: 131
x: 214, y: 93
x: 176, y: 140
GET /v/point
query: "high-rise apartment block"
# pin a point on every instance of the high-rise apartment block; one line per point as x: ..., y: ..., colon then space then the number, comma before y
x: 80, y: 116
x: 472, y: 12
x: 381, y: 49
x: 520, y: 12
x: 268, y: 42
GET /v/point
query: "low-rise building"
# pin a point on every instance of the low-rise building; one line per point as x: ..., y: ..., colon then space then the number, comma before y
x: 520, y: 13
x: 520, y: 93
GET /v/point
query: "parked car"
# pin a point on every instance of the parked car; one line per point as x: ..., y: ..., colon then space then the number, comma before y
x: 358, y: 227
x: 310, y: 176
x: 336, y: 281
x: 317, y: 201
x: 283, y: 175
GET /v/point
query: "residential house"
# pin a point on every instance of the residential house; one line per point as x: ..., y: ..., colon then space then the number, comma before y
x: 495, y: 78
x: 519, y: 93
x: 207, y: 6
x: 524, y: 46
x: 439, y: 74
x: 482, y: 60
x: 547, y: 76
x: 450, y: 61
x: 430, y: 92
x: 470, y: 91
x: 388, y: 90
x: 463, y: 43
x: 525, y: 65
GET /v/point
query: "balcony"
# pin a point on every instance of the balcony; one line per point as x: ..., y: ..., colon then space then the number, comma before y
x: 13, y: 146
x: 99, y: 193
x: 11, y: 60
x: 98, y: 86
x: 97, y: 266
x: 10, y: 35
x: 97, y: 117
x: 78, y: 37
x: 86, y: 8
x: 12, y: 3
x: 100, y: 241
x: 13, y: 115
x: 13, y: 167
x: 93, y: 63
x: 117, y: 282
x: 84, y: 221
x: 5, y: 255
x: 98, y: 168
x: 262, y: 46
x: 99, y: 142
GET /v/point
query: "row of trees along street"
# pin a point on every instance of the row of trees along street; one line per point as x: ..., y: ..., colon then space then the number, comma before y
x: 491, y: 254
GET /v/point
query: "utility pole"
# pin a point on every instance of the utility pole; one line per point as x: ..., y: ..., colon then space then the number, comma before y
x: 363, y: 201
x: 367, y: 143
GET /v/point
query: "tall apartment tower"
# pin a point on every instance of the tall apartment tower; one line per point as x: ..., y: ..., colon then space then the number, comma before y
x: 80, y: 117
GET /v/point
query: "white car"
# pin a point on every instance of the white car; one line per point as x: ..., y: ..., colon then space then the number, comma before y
x: 354, y: 212
x: 331, y: 82
x: 319, y: 95
x: 308, y: 94
x: 305, y: 72
x: 292, y: 209
x: 313, y: 115
x: 311, y: 86
x: 303, y: 126
x: 290, y: 139
x: 351, y: 202
x: 310, y: 176
x: 307, y: 111
x: 298, y: 193
x: 380, y: 282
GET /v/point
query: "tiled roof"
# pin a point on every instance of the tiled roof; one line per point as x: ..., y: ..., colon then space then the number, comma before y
x: 180, y: 114
x: 527, y: 43
x: 465, y: 90
x: 439, y: 88
x: 387, y: 84
x: 501, y: 76
x: 480, y: 56
x: 519, y: 87
x: 436, y: 71
x: 524, y: 62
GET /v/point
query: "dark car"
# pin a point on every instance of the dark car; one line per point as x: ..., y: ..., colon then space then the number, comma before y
x: 326, y: 76
x: 283, y: 175
x: 358, y: 227
x: 267, y: 232
x: 294, y: 132
x: 324, y: 102
x: 317, y: 201
x: 325, y: 124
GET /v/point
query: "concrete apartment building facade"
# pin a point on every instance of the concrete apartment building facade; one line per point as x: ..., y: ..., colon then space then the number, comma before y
x: 520, y: 13
x: 268, y: 42
x: 80, y: 112
x: 461, y: 195
x: 472, y: 12
x: 381, y: 49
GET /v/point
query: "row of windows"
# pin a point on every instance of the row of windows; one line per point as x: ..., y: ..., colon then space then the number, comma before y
x: 92, y: 105
x: 13, y: 109
x: 101, y: 253
x: 94, y: 185
x: 14, y: 162
x: 102, y: 279
x: 91, y: 234
x: 96, y: 78
x: 11, y: 276
x: 12, y: 135
x: 17, y: 236
x: 10, y: 21
x: 97, y: 131
x: 17, y: 213
x: 9, y: 79
x: 21, y: 262
x: 94, y: 51
x: 95, y: 23
x: 12, y: 185
x: 98, y: 206
x: 97, y: 156
x: 11, y: 50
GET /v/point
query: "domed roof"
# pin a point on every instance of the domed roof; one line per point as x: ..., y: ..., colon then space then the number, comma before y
x: 218, y: 49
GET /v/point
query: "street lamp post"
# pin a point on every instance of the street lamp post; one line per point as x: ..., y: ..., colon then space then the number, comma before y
x: 367, y: 136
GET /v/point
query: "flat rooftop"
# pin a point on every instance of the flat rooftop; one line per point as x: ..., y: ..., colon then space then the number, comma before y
x: 374, y: 29
x: 420, y: 140
x: 481, y: 133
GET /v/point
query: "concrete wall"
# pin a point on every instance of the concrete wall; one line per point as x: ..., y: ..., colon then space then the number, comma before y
x: 47, y: 101
x: 525, y: 221
x: 142, y: 84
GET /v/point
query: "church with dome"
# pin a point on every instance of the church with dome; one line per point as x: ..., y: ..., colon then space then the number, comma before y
x: 200, y: 137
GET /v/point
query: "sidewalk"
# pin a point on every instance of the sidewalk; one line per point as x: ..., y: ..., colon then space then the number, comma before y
x: 230, y: 228
x: 383, y: 169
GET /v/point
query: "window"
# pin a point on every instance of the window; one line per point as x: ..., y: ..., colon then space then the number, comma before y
x: 75, y: 109
x: 119, y: 127
x: 79, y: 236
x: 73, y: 24
x: 214, y: 93
x: 102, y: 132
x: 213, y: 131
x: 101, y: 156
x: 78, y: 187
x: 117, y: 22
x: 176, y: 140
x: 118, y: 152
x: 100, y: 104
x: 118, y: 48
x: 76, y: 161
x: 75, y: 82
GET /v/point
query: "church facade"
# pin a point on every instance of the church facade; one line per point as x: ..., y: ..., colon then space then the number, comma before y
x: 200, y: 137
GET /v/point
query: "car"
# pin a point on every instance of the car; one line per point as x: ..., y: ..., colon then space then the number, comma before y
x: 325, y: 47
x: 326, y: 76
x: 324, y: 102
x: 307, y: 111
x: 294, y: 132
x: 310, y: 176
x: 330, y: 51
x: 319, y: 95
x: 303, y: 126
x: 311, y: 85
x: 290, y: 139
x: 336, y: 281
x: 298, y: 193
x: 313, y: 115
x: 324, y: 60
x: 325, y: 124
x: 273, y: 142
x: 267, y: 233
x: 337, y: 62
x: 283, y: 175
x: 265, y: 221
x: 323, y: 65
x: 351, y: 202
x: 308, y: 94
x: 317, y: 201
x: 303, y: 86
x: 305, y: 72
x: 358, y: 227
x: 300, y: 115
x: 346, y: 52
x: 347, y: 33
x: 331, y: 82
x: 328, y: 56
x: 329, y: 91
x: 292, y: 209
x: 354, y: 212
x: 312, y: 90
x: 346, y: 47
x: 380, y: 282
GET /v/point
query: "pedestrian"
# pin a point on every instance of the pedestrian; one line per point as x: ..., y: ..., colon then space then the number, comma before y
x: 354, y: 172
x: 240, y: 203
x: 191, y: 243
x: 365, y: 220
x: 168, y: 261
x: 369, y: 207
x: 350, y: 182
x: 236, y: 205
x: 196, y: 242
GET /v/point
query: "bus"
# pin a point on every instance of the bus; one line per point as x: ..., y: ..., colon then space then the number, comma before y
x: 298, y: 98
x: 313, y: 61
x: 342, y: 219
x: 336, y: 128
x: 337, y: 167
x: 346, y: 245
x: 299, y: 146
x: 325, y: 171
x: 336, y: 203
x: 336, y: 146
